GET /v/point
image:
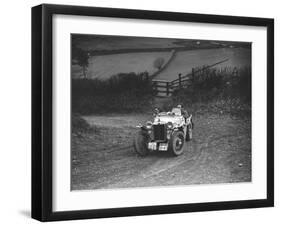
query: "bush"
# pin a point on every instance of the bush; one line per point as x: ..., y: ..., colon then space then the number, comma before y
x: 240, y: 86
x: 80, y: 125
x: 224, y: 90
x: 121, y: 93
x: 158, y: 63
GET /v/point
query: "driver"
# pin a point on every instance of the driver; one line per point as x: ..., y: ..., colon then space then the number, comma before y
x: 156, y: 112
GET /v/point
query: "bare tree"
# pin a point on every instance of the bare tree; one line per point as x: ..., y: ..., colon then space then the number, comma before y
x: 82, y: 59
x: 158, y: 63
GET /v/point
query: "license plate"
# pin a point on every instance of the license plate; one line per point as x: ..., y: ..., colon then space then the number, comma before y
x: 152, y: 145
x: 163, y: 147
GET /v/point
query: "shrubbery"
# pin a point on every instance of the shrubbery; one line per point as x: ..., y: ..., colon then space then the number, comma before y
x: 225, y: 90
x: 121, y: 93
x: 211, y: 90
x: 80, y: 125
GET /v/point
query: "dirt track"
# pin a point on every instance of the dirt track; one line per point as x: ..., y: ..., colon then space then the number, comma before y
x: 219, y: 153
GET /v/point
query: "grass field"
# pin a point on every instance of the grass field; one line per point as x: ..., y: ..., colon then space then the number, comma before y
x: 104, y: 66
x: 184, y: 61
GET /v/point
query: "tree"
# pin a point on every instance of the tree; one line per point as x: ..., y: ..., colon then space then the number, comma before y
x: 82, y: 58
x: 158, y: 63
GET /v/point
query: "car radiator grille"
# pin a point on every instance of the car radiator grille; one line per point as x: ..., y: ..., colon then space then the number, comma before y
x: 159, y: 132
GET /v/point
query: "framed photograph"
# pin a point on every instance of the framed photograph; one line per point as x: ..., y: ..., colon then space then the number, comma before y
x: 146, y: 112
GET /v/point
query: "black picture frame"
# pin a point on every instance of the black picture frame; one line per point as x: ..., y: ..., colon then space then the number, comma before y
x: 42, y: 107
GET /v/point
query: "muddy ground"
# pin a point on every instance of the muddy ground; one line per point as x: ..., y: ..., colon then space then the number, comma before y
x: 219, y: 153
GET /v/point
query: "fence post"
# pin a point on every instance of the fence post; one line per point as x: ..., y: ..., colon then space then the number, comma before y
x: 180, y: 81
x: 147, y: 77
x: 235, y: 71
x: 167, y: 88
x: 192, y: 74
x: 154, y: 88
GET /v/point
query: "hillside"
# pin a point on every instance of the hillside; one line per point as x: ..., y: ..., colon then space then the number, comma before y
x: 104, y: 66
x: 184, y: 61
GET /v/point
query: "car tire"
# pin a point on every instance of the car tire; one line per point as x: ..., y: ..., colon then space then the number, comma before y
x: 176, y: 143
x: 140, y: 144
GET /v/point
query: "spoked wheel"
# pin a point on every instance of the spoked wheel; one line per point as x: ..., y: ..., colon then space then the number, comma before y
x: 176, y: 144
x: 140, y: 144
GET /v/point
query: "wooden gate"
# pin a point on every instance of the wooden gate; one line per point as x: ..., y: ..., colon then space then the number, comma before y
x: 161, y: 88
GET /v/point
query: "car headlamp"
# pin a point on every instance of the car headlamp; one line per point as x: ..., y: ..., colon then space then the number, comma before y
x: 170, y: 125
x: 148, y: 125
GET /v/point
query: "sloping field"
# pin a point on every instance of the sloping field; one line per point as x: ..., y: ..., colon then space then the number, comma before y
x: 184, y: 61
x: 104, y: 66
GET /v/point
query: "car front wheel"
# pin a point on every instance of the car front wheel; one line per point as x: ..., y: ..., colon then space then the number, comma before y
x: 176, y: 143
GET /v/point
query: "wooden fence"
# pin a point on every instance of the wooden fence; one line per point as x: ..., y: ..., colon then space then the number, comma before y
x: 165, y: 88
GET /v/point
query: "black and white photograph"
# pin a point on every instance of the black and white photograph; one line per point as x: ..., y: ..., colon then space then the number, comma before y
x: 154, y: 112
x: 142, y: 112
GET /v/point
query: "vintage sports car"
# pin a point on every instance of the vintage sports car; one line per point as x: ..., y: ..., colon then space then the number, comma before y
x: 168, y: 132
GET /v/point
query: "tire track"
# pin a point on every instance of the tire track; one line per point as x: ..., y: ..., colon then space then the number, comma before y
x: 206, y: 159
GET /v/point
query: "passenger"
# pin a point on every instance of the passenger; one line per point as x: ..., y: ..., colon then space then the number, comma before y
x: 184, y: 113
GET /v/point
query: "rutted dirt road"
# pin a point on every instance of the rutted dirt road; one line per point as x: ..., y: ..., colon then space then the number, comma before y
x: 219, y: 153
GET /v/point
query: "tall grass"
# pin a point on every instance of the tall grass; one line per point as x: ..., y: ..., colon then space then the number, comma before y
x: 121, y: 93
